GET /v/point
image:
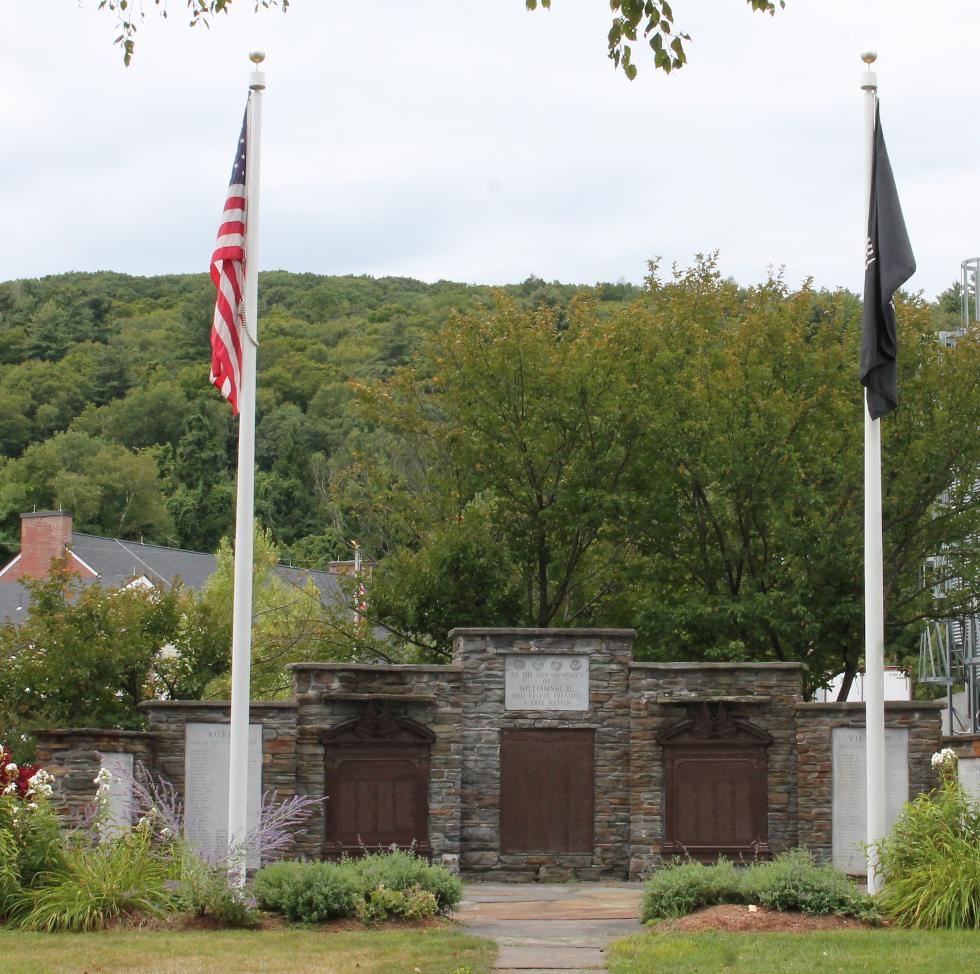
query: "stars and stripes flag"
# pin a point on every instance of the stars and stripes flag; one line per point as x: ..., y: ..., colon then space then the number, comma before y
x: 228, y: 274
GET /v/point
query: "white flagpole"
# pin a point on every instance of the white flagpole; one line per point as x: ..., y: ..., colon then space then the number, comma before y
x: 874, y: 612
x: 241, y: 639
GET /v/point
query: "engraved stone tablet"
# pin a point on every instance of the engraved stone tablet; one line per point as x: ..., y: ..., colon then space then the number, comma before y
x: 119, y: 813
x: 850, y: 812
x: 533, y: 682
x: 206, y: 787
x: 969, y: 774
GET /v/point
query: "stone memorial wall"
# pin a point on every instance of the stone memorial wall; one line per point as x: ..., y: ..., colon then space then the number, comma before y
x: 663, y: 695
x: 75, y: 755
x: 816, y: 724
x: 536, y: 754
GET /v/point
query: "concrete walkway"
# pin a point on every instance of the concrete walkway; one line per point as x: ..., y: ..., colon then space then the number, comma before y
x: 551, y: 929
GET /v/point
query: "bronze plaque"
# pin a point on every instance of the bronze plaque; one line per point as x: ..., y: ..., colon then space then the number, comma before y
x: 377, y: 784
x: 547, y: 789
x: 716, y: 799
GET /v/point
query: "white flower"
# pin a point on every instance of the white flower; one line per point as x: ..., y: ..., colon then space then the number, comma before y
x: 165, y: 833
x: 11, y: 768
x: 103, y: 778
x: 41, y: 779
x: 11, y: 789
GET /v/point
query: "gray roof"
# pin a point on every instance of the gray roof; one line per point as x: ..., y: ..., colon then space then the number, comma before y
x: 120, y: 562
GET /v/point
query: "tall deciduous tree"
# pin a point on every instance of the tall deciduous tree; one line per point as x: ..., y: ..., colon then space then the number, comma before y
x: 692, y: 466
x: 537, y: 421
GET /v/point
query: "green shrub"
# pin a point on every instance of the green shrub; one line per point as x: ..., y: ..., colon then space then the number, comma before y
x: 270, y: 883
x: 792, y: 881
x: 403, y: 871
x: 375, y: 887
x: 383, y: 903
x: 96, y: 885
x: 11, y: 889
x: 930, y: 864
x: 204, y: 890
x: 31, y: 845
x: 322, y: 891
x: 684, y: 887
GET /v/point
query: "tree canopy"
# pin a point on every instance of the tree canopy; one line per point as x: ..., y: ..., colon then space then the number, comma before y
x: 650, y: 22
x: 682, y: 457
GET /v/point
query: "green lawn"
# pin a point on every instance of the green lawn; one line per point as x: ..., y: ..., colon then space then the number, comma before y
x: 292, y: 950
x: 838, y: 952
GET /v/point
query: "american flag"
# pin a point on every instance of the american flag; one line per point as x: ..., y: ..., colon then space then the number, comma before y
x: 228, y: 274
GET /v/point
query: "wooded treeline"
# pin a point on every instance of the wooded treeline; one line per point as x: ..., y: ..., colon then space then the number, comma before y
x: 684, y: 458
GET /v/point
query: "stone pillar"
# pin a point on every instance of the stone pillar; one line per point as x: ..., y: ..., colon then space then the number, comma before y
x: 482, y: 655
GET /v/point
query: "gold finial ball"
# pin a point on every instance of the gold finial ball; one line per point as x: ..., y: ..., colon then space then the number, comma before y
x: 256, y: 57
x: 869, y: 57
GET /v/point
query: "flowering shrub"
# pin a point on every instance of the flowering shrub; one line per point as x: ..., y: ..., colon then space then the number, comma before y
x: 30, y: 840
x: 14, y: 779
x: 128, y: 876
x: 930, y: 863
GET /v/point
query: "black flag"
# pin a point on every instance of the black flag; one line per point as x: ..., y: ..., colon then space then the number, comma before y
x: 889, y: 263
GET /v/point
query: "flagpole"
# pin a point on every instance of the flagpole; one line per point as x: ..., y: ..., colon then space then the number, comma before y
x: 241, y: 640
x: 874, y: 615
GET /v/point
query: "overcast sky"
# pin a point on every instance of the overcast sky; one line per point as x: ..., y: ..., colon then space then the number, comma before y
x: 474, y: 141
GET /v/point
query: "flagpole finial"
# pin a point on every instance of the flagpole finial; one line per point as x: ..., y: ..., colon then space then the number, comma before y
x: 869, y: 80
x: 257, y: 81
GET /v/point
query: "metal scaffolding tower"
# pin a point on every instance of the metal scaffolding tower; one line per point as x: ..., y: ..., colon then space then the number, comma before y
x: 949, y: 649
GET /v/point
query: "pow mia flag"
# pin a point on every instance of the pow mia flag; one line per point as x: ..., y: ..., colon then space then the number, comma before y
x: 889, y: 263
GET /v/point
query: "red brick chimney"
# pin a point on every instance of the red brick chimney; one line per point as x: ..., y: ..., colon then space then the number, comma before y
x: 44, y: 536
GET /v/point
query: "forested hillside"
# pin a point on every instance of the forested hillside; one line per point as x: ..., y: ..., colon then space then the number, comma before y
x: 684, y: 458
x: 105, y: 408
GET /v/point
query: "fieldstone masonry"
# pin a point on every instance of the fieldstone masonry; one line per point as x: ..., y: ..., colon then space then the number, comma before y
x: 661, y: 694
x: 815, y: 723
x: 460, y: 713
x: 482, y: 654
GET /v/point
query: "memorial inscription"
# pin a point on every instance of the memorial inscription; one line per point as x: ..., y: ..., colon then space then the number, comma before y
x: 119, y: 812
x: 968, y: 770
x: 206, y: 787
x: 541, y: 682
x: 850, y: 812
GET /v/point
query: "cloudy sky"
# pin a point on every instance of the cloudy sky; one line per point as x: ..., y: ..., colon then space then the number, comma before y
x: 474, y: 141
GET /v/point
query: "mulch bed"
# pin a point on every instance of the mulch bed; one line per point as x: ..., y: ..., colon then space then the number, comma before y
x: 186, y: 922
x: 736, y: 918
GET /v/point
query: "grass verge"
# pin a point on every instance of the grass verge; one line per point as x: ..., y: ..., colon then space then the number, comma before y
x: 292, y: 950
x: 865, y: 951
